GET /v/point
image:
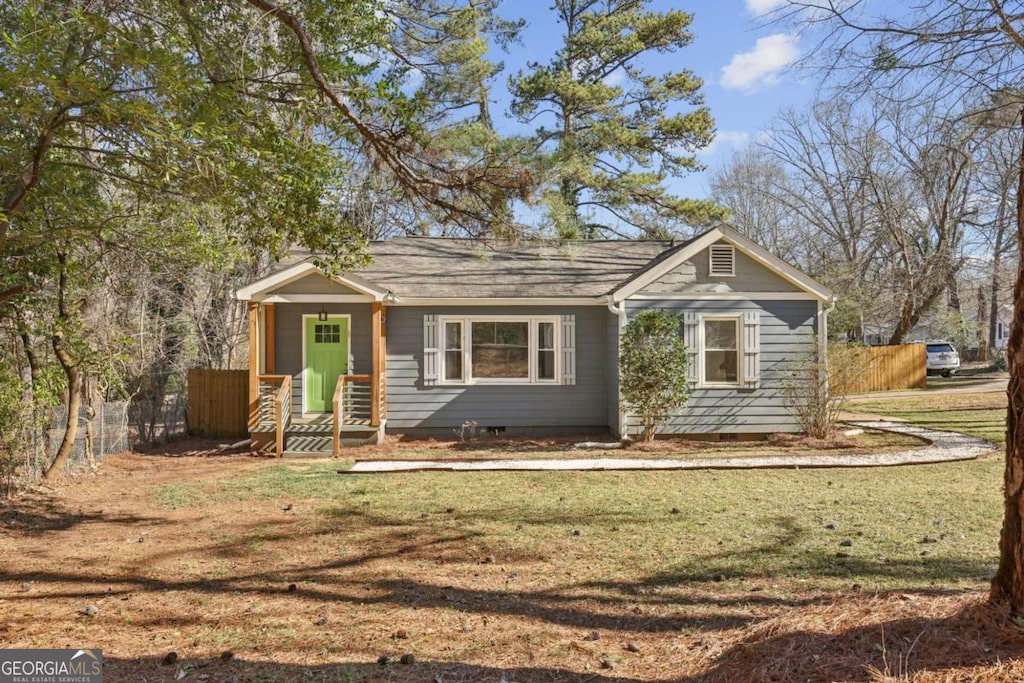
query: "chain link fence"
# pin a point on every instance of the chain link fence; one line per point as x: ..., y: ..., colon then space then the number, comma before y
x: 109, y: 427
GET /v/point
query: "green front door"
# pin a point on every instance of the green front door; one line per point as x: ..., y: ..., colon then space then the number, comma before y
x: 326, y: 359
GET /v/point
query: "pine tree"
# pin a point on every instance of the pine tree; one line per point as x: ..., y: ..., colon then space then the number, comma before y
x: 611, y: 134
x: 442, y: 50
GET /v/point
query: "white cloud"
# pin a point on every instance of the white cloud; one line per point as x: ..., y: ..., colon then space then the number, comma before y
x: 725, y: 138
x: 761, y: 7
x: 413, y: 78
x: 614, y: 78
x: 762, y: 65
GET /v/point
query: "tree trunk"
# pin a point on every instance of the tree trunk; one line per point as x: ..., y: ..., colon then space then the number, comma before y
x: 74, y: 377
x: 911, y: 314
x: 953, y: 291
x: 1008, y: 583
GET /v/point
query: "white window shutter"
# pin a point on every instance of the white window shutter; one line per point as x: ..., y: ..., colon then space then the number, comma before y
x: 431, y: 350
x: 751, y: 350
x: 691, y: 337
x: 568, y: 349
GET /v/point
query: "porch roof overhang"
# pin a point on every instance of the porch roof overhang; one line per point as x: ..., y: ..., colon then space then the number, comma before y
x: 264, y: 290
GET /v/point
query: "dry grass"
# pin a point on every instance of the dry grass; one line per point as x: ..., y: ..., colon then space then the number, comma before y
x: 713, y: 576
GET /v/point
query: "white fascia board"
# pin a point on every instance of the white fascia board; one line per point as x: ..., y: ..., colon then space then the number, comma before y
x: 259, y: 289
x: 313, y: 298
x: 745, y: 245
x: 501, y: 301
x: 727, y: 296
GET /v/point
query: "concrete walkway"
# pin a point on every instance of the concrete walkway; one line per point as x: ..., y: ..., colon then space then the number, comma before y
x: 943, y: 447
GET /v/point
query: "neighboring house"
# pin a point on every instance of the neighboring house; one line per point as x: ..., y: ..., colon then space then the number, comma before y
x: 1004, y: 318
x: 438, y: 333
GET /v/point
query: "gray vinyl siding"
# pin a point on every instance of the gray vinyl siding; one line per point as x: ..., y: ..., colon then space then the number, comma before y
x: 415, y: 408
x: 288, y: 339
x: 694, y: 276
x: 786, y: 338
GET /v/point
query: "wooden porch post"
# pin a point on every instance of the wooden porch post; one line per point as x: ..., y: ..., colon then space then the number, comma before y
x: 254, y: 365
x: 382, y: 349
x: 269, y: 334
x: 375, y: 373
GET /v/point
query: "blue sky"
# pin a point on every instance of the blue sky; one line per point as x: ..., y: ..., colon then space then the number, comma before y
x: 740, y: 56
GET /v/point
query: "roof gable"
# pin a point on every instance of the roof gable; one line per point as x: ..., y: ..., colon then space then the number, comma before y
x: 675, y: 269
x: 693, y: 276
x: 300, y: 270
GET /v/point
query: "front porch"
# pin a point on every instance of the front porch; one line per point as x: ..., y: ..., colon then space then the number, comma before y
x: 316, y: 373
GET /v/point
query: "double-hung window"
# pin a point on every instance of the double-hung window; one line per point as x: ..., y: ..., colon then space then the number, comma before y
x: 724, y: 349
x: 500, y: 350
x: 721, y: 350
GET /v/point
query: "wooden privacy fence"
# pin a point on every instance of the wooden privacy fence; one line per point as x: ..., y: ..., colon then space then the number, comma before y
x: 882, y: 368
x: 218, y: 403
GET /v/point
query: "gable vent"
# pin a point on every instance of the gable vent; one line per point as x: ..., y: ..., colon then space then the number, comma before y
x: 723, y: 259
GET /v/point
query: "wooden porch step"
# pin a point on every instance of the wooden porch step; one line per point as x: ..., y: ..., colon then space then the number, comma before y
x: 309, y: 445
x: 321, y: 429
x: 318, y: 440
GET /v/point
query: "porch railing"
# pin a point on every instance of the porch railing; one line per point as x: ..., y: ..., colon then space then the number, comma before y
x: 354, y: 399
x: 276, y: 406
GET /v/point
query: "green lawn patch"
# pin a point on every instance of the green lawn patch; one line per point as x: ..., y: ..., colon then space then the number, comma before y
x: 978, y: 414
x: 616, y: 533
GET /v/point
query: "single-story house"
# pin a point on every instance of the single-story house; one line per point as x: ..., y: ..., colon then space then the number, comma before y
x: 440, y: 333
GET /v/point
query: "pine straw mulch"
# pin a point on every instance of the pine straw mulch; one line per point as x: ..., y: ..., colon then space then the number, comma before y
x: 876, y: 638
x: 199, y: 583
x: 562, y: 447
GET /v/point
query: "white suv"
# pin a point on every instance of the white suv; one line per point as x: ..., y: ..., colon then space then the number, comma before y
x: 942, y: 358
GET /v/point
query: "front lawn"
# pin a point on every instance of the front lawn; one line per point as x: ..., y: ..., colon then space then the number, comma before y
x: 778, y: 529
x: 305, y: 574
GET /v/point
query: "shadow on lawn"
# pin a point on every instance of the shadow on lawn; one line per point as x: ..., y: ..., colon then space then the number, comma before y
x: 858, y: 560
x: 662, y: 603
x: 708, y: 591
x: 116, y: 670
x: 891, y: 645
x: 973, y: 643
x: 35, y: 517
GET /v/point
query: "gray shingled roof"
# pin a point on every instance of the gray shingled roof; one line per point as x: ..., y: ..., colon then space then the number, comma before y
x: 456, y: 268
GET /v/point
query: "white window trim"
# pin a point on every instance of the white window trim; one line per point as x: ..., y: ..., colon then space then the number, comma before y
x: 703, y: 381
x: 467, y: 349
x: 711, y: 260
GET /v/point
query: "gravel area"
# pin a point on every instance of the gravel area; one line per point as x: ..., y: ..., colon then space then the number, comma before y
x: 943, y: 447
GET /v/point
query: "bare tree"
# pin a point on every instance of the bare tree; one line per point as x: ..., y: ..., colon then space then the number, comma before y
x: 876, y: 197
x: 924, y: 203
x: 997, y: 178
x: 970, y: 49
x: 750, y: 185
